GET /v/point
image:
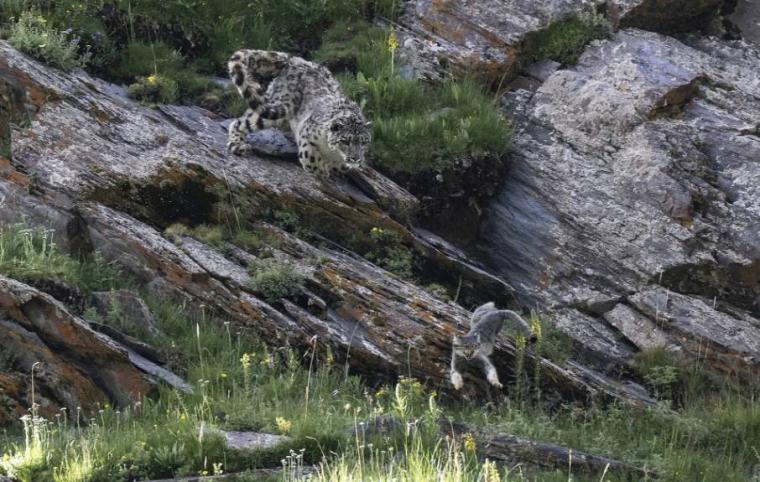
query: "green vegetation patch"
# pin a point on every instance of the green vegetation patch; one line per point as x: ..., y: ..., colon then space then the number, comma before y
x: 416, y: 127
x: 275, y: 280
x: 671, y: 377
x: 386, y: 250
x: 154, y: 89
x: 32, y: 35
x: 564, y: 41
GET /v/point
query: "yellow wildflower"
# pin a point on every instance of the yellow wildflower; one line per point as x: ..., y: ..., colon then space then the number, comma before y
x: 520, y: 342
x: 469, y: 442
x: 535, y: 327
x: 247, y: 360
x: 283, y: 425
x: 152, y: 80
x: 392, y: 41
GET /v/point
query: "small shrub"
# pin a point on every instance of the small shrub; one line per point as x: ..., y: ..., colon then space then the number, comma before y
x: 669, y: 376
x: 211, y: 235
x: 94, y: 37
x: 555, y: 345
x: 247, y: 240
x: 287, y: 220
x: 34, y: 37
x: 275, y: 280
x: 438, y: 290
x: 154, y: 89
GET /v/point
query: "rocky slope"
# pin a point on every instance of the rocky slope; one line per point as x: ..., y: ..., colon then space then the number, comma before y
x: 632, y: 204
x: 629, y: 213
x: 109, y: 175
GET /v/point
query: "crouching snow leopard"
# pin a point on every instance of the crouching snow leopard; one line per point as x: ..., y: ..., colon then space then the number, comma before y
x: 286, y: 91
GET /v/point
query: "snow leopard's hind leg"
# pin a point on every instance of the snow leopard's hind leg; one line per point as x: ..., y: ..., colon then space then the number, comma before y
x: 237, y: 131
x: 251, y: 71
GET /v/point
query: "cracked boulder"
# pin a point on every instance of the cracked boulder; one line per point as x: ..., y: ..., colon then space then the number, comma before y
x: 637, y: 168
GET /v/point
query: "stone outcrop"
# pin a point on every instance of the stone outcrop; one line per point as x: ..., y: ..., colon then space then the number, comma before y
x: 632, y: 204
x: 52, y: 358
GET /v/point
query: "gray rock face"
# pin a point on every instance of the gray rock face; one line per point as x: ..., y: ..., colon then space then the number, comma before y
x: 73, y: 366
x: 637, y: 167
x: 487, y: 37
x: 746, y: 16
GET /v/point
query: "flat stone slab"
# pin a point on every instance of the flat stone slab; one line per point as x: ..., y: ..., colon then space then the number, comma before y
x: 253, y: 440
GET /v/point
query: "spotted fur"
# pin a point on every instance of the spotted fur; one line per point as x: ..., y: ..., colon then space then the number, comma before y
x: 289, y: 92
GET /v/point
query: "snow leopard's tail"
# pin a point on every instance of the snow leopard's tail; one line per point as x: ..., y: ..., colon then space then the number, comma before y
x: 252, y: 70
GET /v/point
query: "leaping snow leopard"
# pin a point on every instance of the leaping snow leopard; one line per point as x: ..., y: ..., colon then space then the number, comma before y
x: 286, y: 91
x: 485, y: 324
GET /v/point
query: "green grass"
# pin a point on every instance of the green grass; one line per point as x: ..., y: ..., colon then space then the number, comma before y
x: 386, y: 250
x: 205, y: 32
x: 242, y: 384
x: 416, y: 127
x: 31, y: 254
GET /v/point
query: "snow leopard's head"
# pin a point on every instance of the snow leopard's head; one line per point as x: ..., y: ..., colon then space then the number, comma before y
x: 350, y: 134
x: 466, y: 345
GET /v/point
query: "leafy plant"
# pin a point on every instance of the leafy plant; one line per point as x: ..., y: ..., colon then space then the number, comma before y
x: 275, y: 280
x: 387, y: 251
x: 32, y: 35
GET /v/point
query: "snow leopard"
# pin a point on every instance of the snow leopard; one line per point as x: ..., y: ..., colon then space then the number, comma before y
x: 485, y: 324
x: 288, y: 92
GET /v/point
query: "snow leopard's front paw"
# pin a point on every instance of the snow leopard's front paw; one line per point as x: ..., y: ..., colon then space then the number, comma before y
x: 238, y: 147
x: 493, y: 379
x: 456, y: 380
